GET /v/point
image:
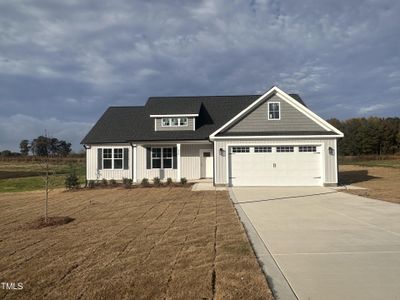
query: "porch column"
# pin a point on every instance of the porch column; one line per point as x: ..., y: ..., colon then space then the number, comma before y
x: 178, y: 162
x: 134, y: 148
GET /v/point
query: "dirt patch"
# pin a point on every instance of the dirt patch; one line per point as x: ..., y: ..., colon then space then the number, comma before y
x: 51, y: 221
x: 141, y: 243
x: 380, y: 182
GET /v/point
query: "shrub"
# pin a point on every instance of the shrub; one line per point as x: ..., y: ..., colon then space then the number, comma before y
x: 183, y: 181
x: 157, y: 181
x: 104, y: 182
x: 127, y: 182
x: 72, y: 181
x: 169, y: 181
x: 91, y: 184
x: 145, y: 182
x: 113, y: 182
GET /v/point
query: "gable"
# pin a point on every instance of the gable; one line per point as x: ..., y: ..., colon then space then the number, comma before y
x: 291, y: 119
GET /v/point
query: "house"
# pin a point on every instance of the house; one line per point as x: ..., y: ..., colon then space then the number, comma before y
x: 254, y: 140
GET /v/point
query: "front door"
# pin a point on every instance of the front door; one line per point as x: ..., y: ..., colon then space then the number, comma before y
x: 206, y: 163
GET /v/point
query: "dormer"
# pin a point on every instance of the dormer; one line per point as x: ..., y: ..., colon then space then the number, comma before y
x: 175, y: 122
x: 173, y: 113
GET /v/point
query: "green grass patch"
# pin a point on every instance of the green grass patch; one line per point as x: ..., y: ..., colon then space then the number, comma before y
x: 27, y: 176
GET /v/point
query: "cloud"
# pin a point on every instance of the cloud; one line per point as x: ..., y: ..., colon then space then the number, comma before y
x: 17, y: 127
x: 70, y: 60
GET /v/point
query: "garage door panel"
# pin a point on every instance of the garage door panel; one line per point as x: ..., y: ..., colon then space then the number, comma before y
x: 275, y: 168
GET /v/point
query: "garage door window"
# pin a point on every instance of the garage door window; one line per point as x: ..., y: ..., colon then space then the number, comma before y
x: 262, y: 149
x: 240, y: 149
x: 307, y: 148
x: 285, y: 149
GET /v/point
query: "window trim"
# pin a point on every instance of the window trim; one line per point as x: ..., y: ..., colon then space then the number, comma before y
x: 285, y: 147
x: 306, y: 148
x: 112, y: 158
x: 279, y: 110
x: 162, y: 158
x: 179, y: 122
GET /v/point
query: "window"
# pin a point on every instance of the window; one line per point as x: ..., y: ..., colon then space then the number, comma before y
x: 262, y: 149
x: 162, y: 158
x: 112, y: 158
x: 183, y: 122
x: 274, y: 111
x: 156, y: 158
x: 240, y: 149
x: 174, y: 122
x: 165, y: 122
x: 307, y: 148
x: 107, y: 158
x: 118, y: 158
x: 167, y: 158
x: 284, y: 149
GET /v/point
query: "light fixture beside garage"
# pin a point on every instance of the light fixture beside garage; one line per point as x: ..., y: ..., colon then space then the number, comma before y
x: 221, y: 151
x: 331, y: 151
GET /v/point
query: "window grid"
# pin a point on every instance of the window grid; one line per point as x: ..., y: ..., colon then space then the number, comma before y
x: 260, y: 149
x: 307, y: 148
x: 112, y: 158
x: 162, y: 158
x: 174, y: 122
x: 274, y: 111
x: 285, y: 149
x: 240, y: 149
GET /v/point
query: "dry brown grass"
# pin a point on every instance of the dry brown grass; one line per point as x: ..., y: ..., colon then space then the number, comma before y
x: 167, y: 243
x: 381, y: 183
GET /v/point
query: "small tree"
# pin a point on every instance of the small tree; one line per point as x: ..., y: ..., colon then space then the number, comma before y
x: 24, y: 147
x: 72, y: 180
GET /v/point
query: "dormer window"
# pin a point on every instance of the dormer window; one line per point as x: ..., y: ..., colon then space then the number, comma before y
x: 174, y: 122
x: 274, y: 111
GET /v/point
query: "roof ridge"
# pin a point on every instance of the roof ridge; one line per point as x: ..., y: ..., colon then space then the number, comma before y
x: 204, y: 96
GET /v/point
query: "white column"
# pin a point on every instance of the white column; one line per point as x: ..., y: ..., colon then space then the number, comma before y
x: 134, y: 163
x: 178, y: 163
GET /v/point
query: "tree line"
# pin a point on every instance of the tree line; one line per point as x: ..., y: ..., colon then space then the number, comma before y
x: 368, y: 136
x: 41, y: 146
x: 45, y: 146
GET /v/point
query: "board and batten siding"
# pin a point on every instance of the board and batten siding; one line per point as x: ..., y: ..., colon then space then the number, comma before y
x: 92, y: 171
x: 190, y: 159
x: 290, y: 119
x: 329, y: 167
x: 189, y: 162
x: 190, y: 126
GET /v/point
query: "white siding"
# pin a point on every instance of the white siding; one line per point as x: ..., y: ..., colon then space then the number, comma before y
x: 142, y: 172
x: 190, y: 163
x: 329, y: 164
x: 92, y: 173
x: 190, y: 159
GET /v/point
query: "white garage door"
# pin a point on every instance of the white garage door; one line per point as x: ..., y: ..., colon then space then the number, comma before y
x: 288, y: 165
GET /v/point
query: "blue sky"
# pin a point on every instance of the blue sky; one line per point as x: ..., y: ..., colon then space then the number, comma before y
x: 62, y: 63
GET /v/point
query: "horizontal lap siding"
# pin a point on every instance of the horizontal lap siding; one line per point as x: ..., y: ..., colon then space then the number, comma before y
x: 291, y: 119
x: 91, y: 164
x: 329, y: 167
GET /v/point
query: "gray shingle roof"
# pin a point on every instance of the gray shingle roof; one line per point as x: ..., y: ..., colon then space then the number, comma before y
x: 133, y: 123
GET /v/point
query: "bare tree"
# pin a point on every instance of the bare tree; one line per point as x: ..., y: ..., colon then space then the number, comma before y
x: 48, y: 173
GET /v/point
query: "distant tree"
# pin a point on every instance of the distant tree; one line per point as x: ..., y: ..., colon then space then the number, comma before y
x: 24, y: 147
x: 6, y: 153
x: 43, y: 146
x: 373, y: 135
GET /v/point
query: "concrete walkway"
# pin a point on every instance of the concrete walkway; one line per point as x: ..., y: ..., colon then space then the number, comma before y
x: 325, y: 244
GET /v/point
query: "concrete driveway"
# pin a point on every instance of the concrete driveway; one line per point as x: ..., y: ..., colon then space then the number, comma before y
x: 324, y: 244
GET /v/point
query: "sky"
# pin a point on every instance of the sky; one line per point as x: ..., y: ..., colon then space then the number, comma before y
x: 62, y: 63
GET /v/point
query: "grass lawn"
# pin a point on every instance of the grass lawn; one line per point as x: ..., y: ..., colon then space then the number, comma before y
x: 19, y: 176
x: 389, y: 163
x: 380, y: 182
x: 141, y: 243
